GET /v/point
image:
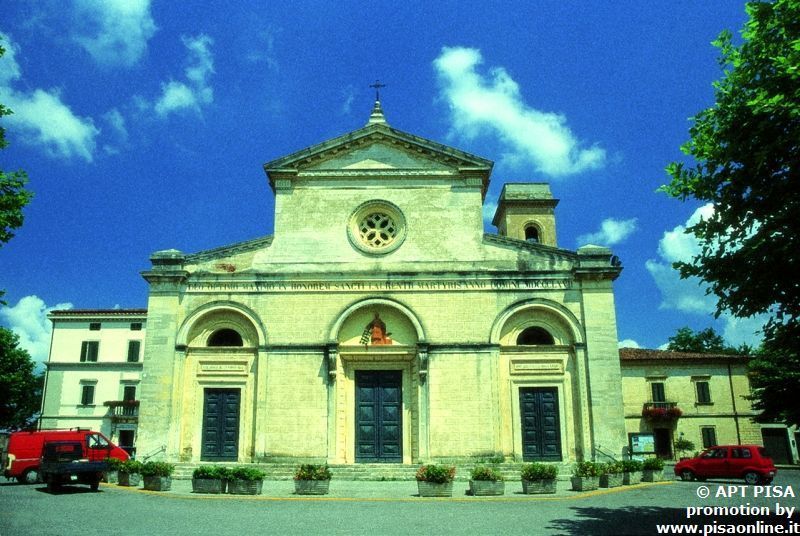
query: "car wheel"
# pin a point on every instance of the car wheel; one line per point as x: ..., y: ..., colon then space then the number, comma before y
x: 95, y: 485
x: 752, y: 478
x: 31, y: 476
x: 687, y: 475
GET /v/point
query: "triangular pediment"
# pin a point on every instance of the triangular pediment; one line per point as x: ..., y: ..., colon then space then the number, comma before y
x: 378, y: 146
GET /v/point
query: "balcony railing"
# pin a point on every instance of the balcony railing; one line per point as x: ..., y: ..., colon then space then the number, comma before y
x: 123, y: 411
x: 661, y: 411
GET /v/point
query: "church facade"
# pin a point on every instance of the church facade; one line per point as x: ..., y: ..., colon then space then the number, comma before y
x: 381, y: 324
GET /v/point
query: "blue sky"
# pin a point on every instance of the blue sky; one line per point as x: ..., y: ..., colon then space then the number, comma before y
x: 143, y: 126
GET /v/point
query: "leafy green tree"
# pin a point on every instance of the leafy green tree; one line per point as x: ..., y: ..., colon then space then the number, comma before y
x: 703, y: 342
x: 747, y: 160
x: 13, y: 196
x: 20, y: 386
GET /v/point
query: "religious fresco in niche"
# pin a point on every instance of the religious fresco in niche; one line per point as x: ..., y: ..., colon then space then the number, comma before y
x: 375, y: 333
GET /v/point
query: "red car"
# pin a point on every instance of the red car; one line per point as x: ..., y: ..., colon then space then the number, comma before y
x: 729, y: 461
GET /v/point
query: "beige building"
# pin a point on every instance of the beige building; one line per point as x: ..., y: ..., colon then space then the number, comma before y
x: 702, y: 398
x: 93, y: 372
x: 381, y: 324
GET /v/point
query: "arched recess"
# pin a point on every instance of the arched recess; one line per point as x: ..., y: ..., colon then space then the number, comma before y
x: 541, y: 383
x: 401, y: 322
x: 551, y: 316
x: 204, y: 321
x: 223, y: 348
x: 377, y: 362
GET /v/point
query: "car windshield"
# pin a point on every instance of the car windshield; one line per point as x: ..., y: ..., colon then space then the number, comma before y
x: 96, y: 441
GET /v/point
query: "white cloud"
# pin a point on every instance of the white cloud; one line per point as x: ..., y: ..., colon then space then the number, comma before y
x: 196, y: 92
x: 41, y: 117
x: 28, y: 319
x: 689, y: 295
x: 114, y: 32
x: 493, y: 104
x: 611, y: 232
x: 628, y: 343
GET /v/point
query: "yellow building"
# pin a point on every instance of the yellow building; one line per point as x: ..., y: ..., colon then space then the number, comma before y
x: 698, y: 397
x: 381, y: 324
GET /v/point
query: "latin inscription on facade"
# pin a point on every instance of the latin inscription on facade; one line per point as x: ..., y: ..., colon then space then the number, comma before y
x: 459, y: 285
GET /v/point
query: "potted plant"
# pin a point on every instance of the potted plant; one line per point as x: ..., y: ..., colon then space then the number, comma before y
x: 610, y: 475
x: 245, y: 481
x: 209, y: 479
x: 631, y: 472
x: 585, y: 476
x: 682, y: 445
x: 157, y: 476
x: 652, y: 470
x: 538, y: 478
x: 312, y: 479
x: 485, y: 481
x: 111, y: 476
x: 435, y: 480
x: 128, y: 473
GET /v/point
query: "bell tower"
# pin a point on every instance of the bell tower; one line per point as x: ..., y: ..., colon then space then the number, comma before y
x: 526, y: 211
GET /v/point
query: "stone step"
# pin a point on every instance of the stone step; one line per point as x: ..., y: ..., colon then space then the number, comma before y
x: 367, y: 471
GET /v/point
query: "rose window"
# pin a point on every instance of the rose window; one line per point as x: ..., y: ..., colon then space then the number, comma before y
x: 378, y: 230
x: 376, y: 227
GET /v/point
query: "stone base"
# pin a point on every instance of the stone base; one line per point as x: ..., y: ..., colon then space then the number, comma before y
x: 208, y: 485
x: 610, y: 481
x: 128, y: 479
x: 537, y: 487
x: 482, y: 488
x: 311, y: 487
x: 585, y: 483
x: 632, y: 478
x: 245, y: 487
x: 157, y: 483
x: 434, y: 489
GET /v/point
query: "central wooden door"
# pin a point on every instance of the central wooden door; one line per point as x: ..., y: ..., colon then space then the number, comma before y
x: 541, y: 431
x: 379, y: 426
x: 220, y: 425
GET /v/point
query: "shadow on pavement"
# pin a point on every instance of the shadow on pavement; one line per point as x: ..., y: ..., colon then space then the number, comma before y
x: 68, y: 489
x: 644, y: 520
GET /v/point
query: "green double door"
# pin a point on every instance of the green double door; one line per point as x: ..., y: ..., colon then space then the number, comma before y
x: 541, y: 431
x: 379, y: 424
x: 220, y: 424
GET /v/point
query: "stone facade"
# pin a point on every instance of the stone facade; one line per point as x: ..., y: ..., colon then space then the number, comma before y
x: 709, y: 390
x: 380, y: 323
x: 94, y: 370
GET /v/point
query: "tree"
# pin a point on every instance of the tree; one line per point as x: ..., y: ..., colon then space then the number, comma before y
x: 707, y: 341
x: 746, y: 150
x: 13, y: 195
x: 20, y: 386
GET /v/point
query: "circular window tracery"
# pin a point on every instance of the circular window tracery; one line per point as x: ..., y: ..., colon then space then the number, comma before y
x: 377, y: 227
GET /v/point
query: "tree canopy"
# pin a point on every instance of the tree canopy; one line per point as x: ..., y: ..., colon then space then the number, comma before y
x: 746, y: 152
x: 20, y: 386
x: 707, y: 341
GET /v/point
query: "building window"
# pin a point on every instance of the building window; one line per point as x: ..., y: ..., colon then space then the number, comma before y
x: 535, y: 336
x: 703, y: 392
x: 532, y: 234
x: 709, y: 436
x: 136, y: 326
x: 89, y: 351
x: 376, y: 227
x: 129, y: 392
x: 657, y: 392
x: 134, y: 348
x: 94, y: 326
x: 87, y: 394
x: 225, y: 337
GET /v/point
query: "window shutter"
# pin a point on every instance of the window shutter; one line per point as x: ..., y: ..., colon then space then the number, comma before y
x: 134, y: 348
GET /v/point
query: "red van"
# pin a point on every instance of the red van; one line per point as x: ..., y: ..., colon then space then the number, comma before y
x: 25, y: 450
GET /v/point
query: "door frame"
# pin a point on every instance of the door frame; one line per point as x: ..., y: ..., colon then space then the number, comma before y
x: 399, y: 374
x: 565, y: 408
x: 238, y: 426
x: 342, y: 423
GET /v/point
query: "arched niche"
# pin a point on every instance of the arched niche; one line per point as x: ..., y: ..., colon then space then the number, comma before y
x: 533, y: 323
x: 362, y: 324
x: 221, y: 325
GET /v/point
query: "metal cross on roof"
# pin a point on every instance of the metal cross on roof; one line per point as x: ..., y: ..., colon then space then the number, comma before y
x: 377, y: 85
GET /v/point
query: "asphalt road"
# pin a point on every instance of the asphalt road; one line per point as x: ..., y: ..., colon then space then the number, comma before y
x: 388, y: 508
